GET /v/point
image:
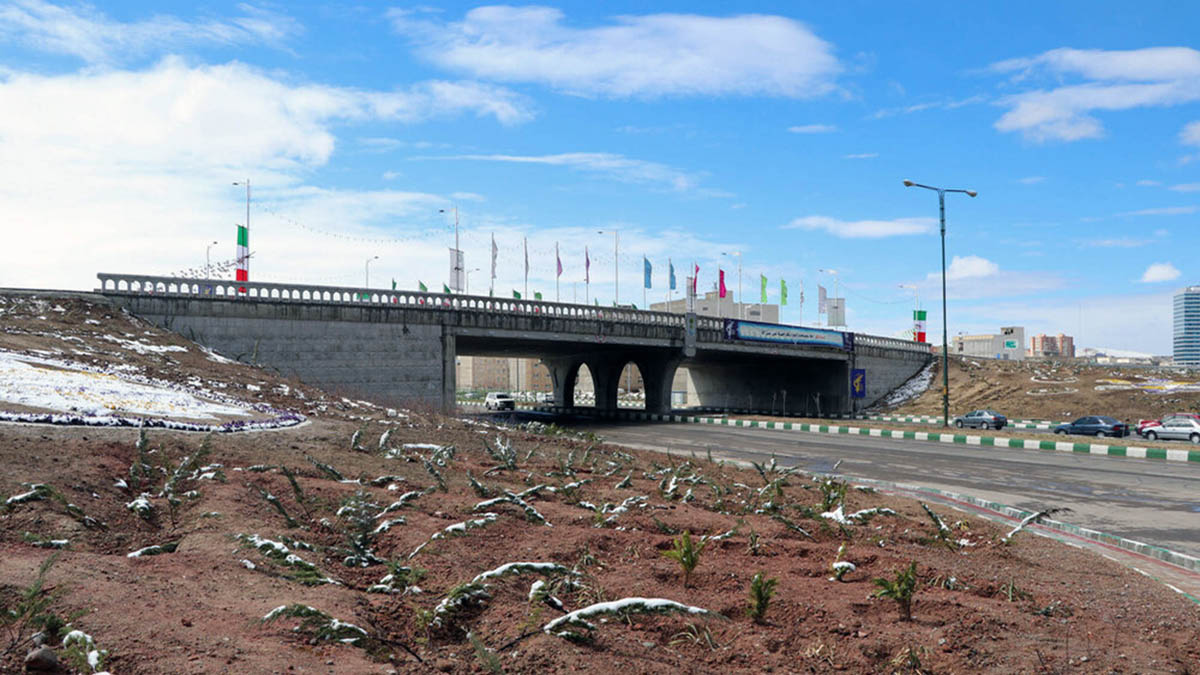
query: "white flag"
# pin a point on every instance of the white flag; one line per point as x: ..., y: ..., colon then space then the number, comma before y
x: 494, y: 251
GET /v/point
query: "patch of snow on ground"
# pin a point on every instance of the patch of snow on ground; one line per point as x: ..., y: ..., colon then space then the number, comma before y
x: 914, y: 387
x: 26, y: 381
x: 213, y: 356
x: 144, y: 347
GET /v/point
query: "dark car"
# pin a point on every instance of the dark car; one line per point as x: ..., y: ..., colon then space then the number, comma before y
x: 981, y: 419
x: 1094, y: 425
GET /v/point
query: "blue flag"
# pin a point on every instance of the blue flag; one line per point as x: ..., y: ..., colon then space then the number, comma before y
x: 671, y: 273
x: 646, y: 262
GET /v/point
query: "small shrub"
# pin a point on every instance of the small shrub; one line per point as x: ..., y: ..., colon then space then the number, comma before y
x: 761, y: 592
x: 687, y: 554
x: 901, y: 589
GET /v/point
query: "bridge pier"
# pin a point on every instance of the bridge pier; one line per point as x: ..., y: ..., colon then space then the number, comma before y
x: 657, y: 373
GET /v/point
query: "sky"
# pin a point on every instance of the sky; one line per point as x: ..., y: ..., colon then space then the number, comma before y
x: 776, y: 136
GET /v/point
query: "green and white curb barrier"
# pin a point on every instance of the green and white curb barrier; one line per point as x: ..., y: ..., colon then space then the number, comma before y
x: 1166, y: 454
x: 928, y: 419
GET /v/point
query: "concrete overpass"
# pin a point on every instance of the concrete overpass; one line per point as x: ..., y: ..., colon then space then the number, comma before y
x: 401, y: 346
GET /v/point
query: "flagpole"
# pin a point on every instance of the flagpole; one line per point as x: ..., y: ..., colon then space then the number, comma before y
x: 525, y: 243
x: 557, y: 273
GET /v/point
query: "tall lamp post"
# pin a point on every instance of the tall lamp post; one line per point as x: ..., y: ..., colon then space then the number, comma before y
x: 367, y: 271
x: 941, y: 192
x: 467, y: 290
x: 208, y: 260
x: 739, y: 295
x: 835, y: 294
x: 616, y: 260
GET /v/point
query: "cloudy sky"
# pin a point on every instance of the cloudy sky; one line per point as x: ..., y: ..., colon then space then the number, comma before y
x: 781, y: 134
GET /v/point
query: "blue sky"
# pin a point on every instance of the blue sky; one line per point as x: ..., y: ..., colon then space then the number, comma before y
x: 782, y: 132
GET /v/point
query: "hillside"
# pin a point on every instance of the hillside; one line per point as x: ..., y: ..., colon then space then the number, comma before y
x: 1058, y: 390
x: 380, y: 540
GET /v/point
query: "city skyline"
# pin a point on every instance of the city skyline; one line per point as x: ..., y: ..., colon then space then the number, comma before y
x: 783, y: 145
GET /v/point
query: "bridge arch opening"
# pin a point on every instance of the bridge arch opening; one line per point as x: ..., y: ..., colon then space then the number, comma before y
x: 631, y: 388
x: 584, y: 391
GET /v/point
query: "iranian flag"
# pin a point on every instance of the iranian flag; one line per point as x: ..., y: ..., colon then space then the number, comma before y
x: 243, y: 253
x: 919, y: 325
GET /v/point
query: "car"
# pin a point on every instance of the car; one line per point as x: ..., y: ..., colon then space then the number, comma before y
x: 545, y: 397
x: 498, y: 400
x: 981, y: 419
x: 1143, y: 425
x: 1094, y: 425
x: 1177, y: 427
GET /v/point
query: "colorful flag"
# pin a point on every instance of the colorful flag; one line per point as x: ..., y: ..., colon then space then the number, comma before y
x: 525, y: 243
x: 243, y: 253
x: 695, y: 277
x: 919, y: 325
x: 516, y: 294
x: 393, y: 284
x: 587, y: 266
x: 646, y: 271
x: 763, y: 297
x: 671, y: 274
x: 782, y: 292
x: 445, y: 288
x: 421, y: 285
x: 822, y: 300
x: 537, y: 295
x: 558, y: 260
x: 721, y: 287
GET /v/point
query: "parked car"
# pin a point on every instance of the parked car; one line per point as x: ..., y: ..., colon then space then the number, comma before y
x: 1094, y: 425
x: 1143, y: 425
x: 1175, y: 427
x: 545, y: 397
x: 498, y: 400
x: 981, y: 419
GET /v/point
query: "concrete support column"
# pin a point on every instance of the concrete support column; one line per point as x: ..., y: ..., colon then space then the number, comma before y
x: 657, y: 376
x: 563, y: 373
x: 606, y: 376
x: 449, y: 372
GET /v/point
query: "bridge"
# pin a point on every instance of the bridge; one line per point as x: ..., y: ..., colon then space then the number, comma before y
x: 400, y: 347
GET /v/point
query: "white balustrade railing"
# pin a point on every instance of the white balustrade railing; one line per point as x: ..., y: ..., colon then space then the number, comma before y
x: 141, y: 284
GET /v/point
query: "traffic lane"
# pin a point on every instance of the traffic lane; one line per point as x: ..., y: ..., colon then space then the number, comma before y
x: 1145, y: 500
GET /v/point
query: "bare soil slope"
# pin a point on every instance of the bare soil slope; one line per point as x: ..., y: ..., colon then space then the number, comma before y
x: 1058, y: 390
x: 380, y: 520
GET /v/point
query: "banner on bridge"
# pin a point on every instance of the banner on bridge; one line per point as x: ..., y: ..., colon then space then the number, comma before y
x: 770, y: 332
x: 858, y: 383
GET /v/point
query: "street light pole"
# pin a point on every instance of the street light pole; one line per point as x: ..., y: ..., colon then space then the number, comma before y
x: 367, y: 272
x: 739, y: 295
x: 467, y: 290
x: 835, y: 295
x: 208, y: 260
x: 945, y: 335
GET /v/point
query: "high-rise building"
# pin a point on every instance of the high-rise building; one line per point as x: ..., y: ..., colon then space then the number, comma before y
x: 1062, y: 346
x: 1187, y: 327
x: 1007, y: 345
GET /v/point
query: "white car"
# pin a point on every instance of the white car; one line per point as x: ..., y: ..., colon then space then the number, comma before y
x: 498, y: 400
x: 1176, y: 427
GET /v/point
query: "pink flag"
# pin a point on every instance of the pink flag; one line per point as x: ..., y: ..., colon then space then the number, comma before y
x: 721, y: 272
x: 695, y: 276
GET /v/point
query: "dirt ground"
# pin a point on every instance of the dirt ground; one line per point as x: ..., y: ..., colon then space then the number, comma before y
x: 317, y: 496
x: 1057, y: 391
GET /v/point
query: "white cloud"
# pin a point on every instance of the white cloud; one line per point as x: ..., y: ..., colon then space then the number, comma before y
x: 970, y: 267
x: 614, y: 166
x: 1113, y: 80
x: 130, y: 170
x: 862, y: 155
x: 636, y: 56
x: 1190, y: 134
x: 1118, y: 242
x: 929, y: 105
x: 869, y: 229
x: 1148, y: 183
x: 1031, y: 180
x: 813, y: 129
x: 90, y: 35
x: 1186, y: 187
x: 1159, y: 272
x: 1161, y: 211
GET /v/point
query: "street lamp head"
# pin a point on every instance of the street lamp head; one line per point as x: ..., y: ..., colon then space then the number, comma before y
x: 970, y: 193
x: 908, y: 183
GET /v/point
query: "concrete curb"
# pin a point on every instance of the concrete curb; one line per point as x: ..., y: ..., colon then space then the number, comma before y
x: 1166, y: 454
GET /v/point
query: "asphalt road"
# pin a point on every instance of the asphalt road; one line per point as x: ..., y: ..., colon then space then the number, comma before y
x: 1151, y: 501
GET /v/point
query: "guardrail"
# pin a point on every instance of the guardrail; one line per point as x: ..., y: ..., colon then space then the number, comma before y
x: 224, y: 289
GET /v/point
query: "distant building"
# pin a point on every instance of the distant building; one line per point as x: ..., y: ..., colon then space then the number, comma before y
x: 1060, y: 346
x: 1007, y: 345
x: 1187, y: 327
x: 489, y: 373
x: 713, y: 305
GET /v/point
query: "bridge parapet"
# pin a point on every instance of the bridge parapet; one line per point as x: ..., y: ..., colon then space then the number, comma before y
x: 224, y: 289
